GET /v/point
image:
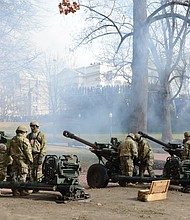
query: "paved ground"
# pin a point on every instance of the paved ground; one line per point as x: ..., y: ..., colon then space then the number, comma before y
x: 112, y: 202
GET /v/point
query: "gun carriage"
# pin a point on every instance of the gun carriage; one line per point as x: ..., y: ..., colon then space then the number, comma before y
x: 175, y: 168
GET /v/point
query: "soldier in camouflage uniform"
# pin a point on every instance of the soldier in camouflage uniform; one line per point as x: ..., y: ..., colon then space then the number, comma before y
x: 21, y: 152
x: 38, y: 142
x: 5, y: 160
x: 186, y: 142
x: 145, y: 156
x: 127, y: 153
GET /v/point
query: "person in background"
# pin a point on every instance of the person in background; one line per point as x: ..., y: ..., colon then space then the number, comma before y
x: 186, y: 143
x: 21, y: 152
x: 145, y: 156
x: 127, y: 150
x: 5, y: 161
x: 37, y: 140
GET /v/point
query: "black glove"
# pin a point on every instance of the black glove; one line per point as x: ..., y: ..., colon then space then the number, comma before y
x: 40, y: 159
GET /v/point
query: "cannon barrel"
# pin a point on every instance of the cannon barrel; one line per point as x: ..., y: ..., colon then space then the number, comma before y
x: 153, y: 139
x: 72, y: 136
x: 172, y: 149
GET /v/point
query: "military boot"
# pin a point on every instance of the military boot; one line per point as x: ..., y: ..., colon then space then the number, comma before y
x: 130, y: 184
x: 35, y: 191
x: 15, y: 192
x: 24, y: 193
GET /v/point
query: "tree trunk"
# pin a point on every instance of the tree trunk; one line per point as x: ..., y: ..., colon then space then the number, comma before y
x: 166, y: 116
x: 139, y: 87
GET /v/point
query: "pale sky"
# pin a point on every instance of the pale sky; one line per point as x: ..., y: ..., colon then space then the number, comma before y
x: 58, y: 36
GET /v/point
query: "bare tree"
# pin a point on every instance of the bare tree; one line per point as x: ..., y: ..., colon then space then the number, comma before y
x: 114, y: 22
x: 169, y: 36
x: 17, y: 19
x: 107, y: 25
x: 168, y: 49
x: 53, y: 66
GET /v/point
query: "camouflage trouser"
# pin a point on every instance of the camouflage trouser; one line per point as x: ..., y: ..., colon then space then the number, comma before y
x: 146, y: 165
x: 35, y: 169
x: 3, y: 173
x: 126, y: 165
x: 20, y: 170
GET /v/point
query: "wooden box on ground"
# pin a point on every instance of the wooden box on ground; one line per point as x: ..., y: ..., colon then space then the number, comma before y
x: 158, y: 191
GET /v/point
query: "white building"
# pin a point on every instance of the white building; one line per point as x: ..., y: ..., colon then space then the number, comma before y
x: 95, y: 75
x: 25, y: 95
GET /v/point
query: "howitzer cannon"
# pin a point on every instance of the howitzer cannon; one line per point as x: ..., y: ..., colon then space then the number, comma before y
x: 172, y: 148
x: 59, y: 174
x: 99, y: 174
x: 175, y: 168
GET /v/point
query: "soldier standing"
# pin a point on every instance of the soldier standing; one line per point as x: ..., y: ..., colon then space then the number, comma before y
x: 186, y: 142
x: 5, y: 160
x: 38, y: 142
x: 145, y: 156
x: 127, y: 153
x: 21, y: 152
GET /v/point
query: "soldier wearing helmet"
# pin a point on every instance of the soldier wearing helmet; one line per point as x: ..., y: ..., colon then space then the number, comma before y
x: 5, y: 160
x: 21, y: 129
x: 37, y: 140
x: 186, y: 142
x: 127, y: 152
x: 21, y: 152
x: 34, y: 123
x: 145, y: 156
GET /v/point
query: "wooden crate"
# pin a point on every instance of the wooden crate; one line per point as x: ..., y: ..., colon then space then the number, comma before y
x: 158, y: 191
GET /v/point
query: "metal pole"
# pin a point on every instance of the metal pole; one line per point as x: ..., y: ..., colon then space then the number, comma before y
x: 110, y: 117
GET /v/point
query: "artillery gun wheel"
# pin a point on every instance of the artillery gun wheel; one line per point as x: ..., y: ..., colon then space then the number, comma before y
x: 97, y: 176
x: 172, y: 168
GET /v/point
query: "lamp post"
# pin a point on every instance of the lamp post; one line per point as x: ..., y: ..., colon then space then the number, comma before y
x: 110, y: 120
x: 79, y: 116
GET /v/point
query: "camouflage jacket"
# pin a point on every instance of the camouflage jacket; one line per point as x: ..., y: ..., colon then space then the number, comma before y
x: 144, y: 150
x: 20, y: 149
x: 186, y: 150
x: 128, y: 148
x: 38, y: 142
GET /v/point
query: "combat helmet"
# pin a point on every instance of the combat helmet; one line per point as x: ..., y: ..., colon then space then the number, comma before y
x: 3, y: 148
x: 131, y: 135
x: 137, y: 137
x: 34, y: 123
x: 187, y: 134
x: 22, y: 128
